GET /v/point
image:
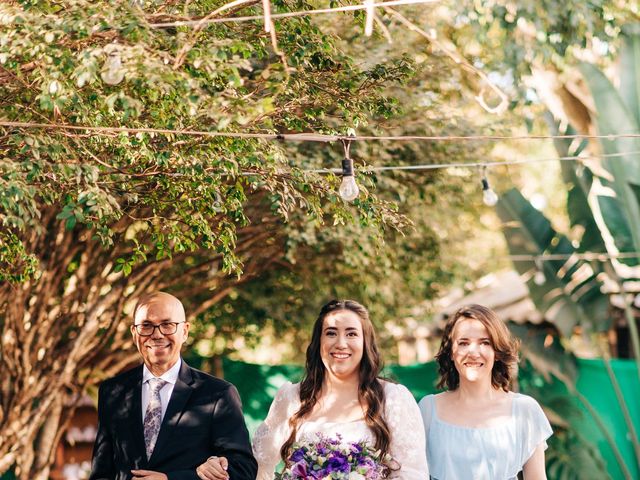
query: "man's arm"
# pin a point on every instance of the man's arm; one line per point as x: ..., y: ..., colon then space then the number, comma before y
x: 102, y: 466
x: 231, y: 437
x: 230, y: 440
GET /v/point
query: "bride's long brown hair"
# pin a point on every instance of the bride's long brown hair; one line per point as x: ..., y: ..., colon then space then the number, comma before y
x: 370, y: 389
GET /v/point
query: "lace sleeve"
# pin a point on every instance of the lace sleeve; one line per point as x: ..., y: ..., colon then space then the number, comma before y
x: 274, y: 431
x: 407, y: 435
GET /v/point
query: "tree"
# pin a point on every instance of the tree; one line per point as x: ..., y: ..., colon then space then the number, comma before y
x: 92, y: 218
x: 90, y: 221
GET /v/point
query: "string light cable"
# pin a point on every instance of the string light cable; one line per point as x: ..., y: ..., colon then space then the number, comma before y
x: 303, y: 13
x: 589, y: 256
x: 346, y: 141
x: 496, y: 163
x: 310, y: 137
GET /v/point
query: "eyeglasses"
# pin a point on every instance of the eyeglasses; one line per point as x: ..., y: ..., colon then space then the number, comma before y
x: 166, y: 328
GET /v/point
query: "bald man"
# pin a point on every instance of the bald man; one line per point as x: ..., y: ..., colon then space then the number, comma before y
x: 163, y: 419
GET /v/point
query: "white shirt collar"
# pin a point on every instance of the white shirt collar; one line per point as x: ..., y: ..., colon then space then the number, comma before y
x: 170, y: 375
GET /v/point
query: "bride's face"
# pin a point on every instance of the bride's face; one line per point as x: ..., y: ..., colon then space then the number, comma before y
x: 342, y: 344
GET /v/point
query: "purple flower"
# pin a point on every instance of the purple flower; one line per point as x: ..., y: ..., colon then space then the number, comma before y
x: 298, y: 454
x: 318, y: 473
x: 299, y: 470
x: 331, y: 457
x: 356, y: 447
x: 338, y: 462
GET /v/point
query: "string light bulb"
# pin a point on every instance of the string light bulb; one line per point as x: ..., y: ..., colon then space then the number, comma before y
x: 112, y: 73
x: 348, y: 188
x: 489, y: 197
x: 539, y: 277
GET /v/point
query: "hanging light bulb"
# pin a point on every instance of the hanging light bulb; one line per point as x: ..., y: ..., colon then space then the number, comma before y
x: 112, y: 72
x: 489, y: 197
x: 348, y: 188
x: 539, y: 277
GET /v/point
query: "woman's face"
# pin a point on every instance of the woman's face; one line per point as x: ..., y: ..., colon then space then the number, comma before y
x: 342, y: 344
x: 472, y: 351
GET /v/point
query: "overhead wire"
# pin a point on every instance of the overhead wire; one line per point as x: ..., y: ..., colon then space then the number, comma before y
x: 313, y: 137
x: 306, y: 137
x: 599, y: 256
x: 495, y: 163
x: 276, y: 16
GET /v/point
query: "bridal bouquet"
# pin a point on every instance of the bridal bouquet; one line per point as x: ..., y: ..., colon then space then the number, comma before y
x: 330, y: 458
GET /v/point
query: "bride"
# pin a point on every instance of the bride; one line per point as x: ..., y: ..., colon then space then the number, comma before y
x: 342, y: 396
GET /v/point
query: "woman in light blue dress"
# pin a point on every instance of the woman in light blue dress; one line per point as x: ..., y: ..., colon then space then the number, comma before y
x: 477, y: 429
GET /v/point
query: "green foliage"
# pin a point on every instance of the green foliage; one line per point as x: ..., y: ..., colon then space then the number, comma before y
x: 101, y: 65
x: 603, y: 201
x: 515, y: 37
x: 16, y: 265
x: 208, y: 209
x: 615, y: 118
x: 604, y: 204
x: 549, y: 374
x: 570, y: 292
x: 571, y: 458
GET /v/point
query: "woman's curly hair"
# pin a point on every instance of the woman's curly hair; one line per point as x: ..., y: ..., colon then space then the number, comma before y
x: 502, y: 341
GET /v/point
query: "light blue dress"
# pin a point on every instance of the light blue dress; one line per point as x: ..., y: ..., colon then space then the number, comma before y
x: 491, y: 453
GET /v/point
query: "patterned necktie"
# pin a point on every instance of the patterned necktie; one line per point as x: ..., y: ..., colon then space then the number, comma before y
x: 153, y: 415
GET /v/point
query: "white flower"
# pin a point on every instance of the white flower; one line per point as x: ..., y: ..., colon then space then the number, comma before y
x: 54, y: 87
x: 356, y: 476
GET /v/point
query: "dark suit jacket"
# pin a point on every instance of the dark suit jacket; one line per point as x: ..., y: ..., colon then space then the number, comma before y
x: 203, y: 418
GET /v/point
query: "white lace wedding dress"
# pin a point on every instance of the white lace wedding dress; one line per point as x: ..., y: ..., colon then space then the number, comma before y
x: 401, y: 413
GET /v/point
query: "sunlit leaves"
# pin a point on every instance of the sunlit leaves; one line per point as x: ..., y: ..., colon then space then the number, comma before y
x: 100, y: 64
x: 16, y: 264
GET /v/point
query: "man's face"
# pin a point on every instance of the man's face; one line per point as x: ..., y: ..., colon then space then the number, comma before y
x: 160, y: 351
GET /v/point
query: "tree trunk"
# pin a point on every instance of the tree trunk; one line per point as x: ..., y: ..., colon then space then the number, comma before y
x: 65, y: 331
x: 45, y: 444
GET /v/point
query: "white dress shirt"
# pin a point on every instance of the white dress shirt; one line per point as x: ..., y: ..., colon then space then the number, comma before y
x: 170, y: 376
